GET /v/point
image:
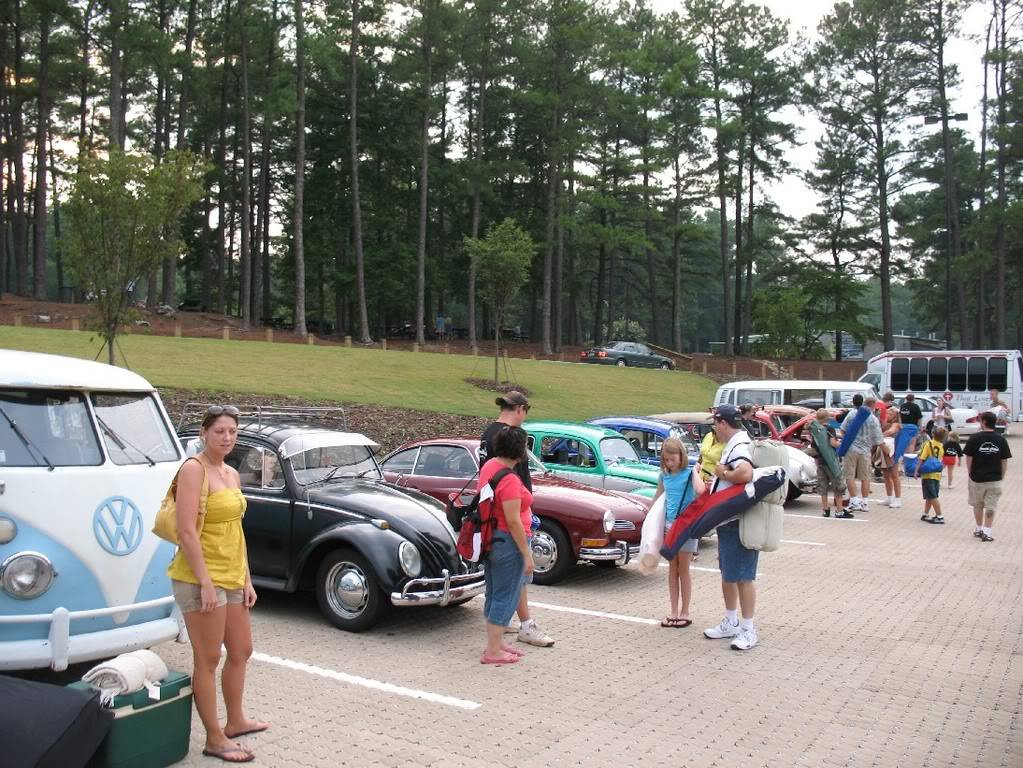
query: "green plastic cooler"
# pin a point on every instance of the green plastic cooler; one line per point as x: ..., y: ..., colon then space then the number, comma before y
x: 146, y: 732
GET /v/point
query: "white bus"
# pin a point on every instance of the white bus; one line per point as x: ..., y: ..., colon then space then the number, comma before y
x: 86, y: 454
x: 964, y: 378
x: 811, y: 393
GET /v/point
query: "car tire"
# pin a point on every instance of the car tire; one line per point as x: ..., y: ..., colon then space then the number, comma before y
x: 348, y: 591
x: 794, y: 493
x: 665, y: 366
x: 553, y: 557
x: 621, y: 362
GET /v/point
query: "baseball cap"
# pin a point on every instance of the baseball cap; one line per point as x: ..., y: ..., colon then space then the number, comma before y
x: 728, y: 414
x: 512, y: 399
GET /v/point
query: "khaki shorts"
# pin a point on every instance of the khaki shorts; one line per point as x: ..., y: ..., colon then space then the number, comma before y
x: 985, y: 495
x: 188, y: 596
x: 857, y: 466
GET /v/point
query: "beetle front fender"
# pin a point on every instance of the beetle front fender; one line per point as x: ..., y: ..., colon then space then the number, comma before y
x: 379, y: 546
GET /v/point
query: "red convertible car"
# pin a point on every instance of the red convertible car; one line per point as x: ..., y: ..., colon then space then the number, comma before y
x: 577, y: 522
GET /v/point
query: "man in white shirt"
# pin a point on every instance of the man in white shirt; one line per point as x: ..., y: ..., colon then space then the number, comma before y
x: 738, y: 564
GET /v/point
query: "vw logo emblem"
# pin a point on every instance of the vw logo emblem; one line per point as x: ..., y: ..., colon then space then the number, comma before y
x: 117, y: 524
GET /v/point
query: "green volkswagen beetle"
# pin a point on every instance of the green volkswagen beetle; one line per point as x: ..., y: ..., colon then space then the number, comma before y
x: 591, y: 455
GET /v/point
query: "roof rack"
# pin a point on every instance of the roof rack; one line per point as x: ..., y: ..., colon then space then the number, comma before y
x: 271, y: 413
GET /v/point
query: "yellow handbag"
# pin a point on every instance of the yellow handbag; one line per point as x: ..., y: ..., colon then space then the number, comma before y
x: 166, y: 524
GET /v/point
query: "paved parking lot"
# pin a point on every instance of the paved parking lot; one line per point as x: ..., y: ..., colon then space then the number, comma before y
x: 884, y: 641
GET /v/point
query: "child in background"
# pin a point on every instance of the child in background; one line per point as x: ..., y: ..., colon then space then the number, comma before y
x: 930, y: 482
x: 710, y: 454
x: 953, y: 455
x: 680, y: 485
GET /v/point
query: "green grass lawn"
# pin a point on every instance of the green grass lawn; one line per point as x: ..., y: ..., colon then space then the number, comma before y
x: 424, y: 381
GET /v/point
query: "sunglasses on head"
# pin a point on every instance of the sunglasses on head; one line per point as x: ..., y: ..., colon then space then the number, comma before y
x: 220, y: 410
x: 525, y: 408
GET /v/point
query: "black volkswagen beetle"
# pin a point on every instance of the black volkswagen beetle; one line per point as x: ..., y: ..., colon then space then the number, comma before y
x: 320, y: 517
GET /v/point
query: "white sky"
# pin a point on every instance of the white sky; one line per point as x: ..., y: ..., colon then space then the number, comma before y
x: 790, y: 194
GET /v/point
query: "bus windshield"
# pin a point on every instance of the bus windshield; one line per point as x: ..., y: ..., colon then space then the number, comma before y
x: 50, y: 428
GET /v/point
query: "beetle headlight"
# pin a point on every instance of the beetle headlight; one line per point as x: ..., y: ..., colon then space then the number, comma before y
x: 609, y: 521
x: 26, y: 575
x: 8, y: 530
x: 409, y: 558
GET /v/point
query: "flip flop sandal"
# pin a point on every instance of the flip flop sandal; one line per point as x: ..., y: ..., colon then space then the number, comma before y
x: 513, y: 650
x: 510, y: 658
x: 669, y: 621
x: 223, y: 754
x: 683, y: 623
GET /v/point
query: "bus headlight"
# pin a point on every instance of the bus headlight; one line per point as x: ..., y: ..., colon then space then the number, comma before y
x: 609, y: 521
x: 409, y: 558
x: 26, y: 575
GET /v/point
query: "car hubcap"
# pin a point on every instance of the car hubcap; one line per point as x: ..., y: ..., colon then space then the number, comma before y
x: 347, y: 589
x: 545, y: 552
x: 621, y: 363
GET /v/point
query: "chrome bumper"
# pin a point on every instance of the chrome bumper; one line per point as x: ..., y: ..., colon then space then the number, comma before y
x: 620, y: 551
x: 439, y: 591
x: 62, y: 648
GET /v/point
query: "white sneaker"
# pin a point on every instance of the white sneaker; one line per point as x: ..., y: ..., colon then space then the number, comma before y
x: 855, y: 506
x: 887, y: 502
x: 511, y: 629
x: 896, y: 503
x: 745, y: 640
x: 723, y: 630
x: 532, y: 634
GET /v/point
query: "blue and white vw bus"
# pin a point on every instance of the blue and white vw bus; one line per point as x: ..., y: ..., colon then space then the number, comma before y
x: 86, y: 454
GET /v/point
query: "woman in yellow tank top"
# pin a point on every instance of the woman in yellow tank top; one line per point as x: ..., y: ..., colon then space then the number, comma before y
x: 212, y: 586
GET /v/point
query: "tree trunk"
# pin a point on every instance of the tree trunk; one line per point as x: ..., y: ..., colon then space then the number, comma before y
x: 222, y: 254
x: 115, y: 134
x: 736, y: 340
x: 721, y: 161
x: 57, y: 249
x: 676, y: 255
x: 424, y: 170
x: 886, y: 246
x: 479, y: 152
x: 42, y: 127
x: 1001, y: 93
x: 260, y: 247
x: 353, y: 101
x: 245, y: 254
x: 19, y: 234
x: 747, y: 299
x: 299, y: 214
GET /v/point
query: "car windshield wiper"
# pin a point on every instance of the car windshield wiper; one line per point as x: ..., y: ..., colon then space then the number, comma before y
x: 120, y: 442
x: 32, y: 447
x: 334, y: 470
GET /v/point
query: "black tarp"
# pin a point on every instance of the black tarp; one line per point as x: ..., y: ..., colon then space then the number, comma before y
x: 49, y: 726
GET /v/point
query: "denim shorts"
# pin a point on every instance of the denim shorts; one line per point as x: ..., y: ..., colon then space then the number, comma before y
x: 503, y: 574
x: 736, y: 562
x: 930, y: 488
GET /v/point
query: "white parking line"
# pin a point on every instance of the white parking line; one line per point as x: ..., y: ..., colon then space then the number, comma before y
x: 836, y: 519
x: 805, y: 543
x: 365, y: 682
x: 597, y: 614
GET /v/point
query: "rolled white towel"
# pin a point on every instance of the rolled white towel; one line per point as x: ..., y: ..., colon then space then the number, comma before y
x: 127, y: 673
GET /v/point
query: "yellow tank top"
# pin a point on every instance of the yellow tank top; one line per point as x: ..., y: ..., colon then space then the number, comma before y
x: 223, y: 542
x: 710, y: 454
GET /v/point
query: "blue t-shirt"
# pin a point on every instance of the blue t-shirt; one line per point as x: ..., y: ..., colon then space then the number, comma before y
x: 675, y: 485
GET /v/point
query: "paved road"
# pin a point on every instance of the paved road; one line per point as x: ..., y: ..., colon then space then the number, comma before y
x: 883, y: 642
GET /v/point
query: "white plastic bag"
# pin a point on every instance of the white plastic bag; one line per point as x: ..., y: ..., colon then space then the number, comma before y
x: 652, y: 537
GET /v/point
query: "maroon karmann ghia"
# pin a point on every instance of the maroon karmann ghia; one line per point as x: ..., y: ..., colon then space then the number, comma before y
x: 577, y: 522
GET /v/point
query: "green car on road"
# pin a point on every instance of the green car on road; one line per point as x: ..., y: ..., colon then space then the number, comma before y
x: 592, y: 456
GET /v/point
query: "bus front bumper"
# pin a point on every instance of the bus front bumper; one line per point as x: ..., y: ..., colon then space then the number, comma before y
x: 61, y: 648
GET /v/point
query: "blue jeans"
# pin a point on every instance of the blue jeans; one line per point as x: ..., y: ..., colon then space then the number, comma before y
x: 503, y: 573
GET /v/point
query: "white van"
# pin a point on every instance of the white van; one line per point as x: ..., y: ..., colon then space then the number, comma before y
x: 963, y: 378
x: 807, y: 392
x: 86, y: 454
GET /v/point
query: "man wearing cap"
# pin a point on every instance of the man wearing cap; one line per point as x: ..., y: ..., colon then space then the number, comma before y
x: 856, y: 463
x: 738, y: 564
x: 514, y: 408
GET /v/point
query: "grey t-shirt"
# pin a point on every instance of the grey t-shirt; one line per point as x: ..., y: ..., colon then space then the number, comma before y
x: 869, y: 435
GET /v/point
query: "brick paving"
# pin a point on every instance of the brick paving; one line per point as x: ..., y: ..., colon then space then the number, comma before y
x: 896, y: 644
